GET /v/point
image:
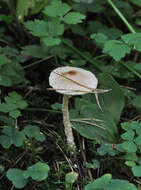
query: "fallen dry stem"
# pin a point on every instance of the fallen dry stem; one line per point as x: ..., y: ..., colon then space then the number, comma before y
x: 87, y: 123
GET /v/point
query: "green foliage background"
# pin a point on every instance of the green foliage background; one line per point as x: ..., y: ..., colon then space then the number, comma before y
x: 102, y: 36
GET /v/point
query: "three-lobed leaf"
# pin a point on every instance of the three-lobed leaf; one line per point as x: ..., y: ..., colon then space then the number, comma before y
x: 129, y: 135
x: 13, y: 102
x: 11, y: 74
x: 129, y: 146
x: 134, y: 125
x: 7, y: 107
x: 116, y: 49
x: 56, y: 8
x: 11, y: 136
x: 17, y: 177
x: 15, y: 114
x: 106, y: 149
x: 13, y: 96
x: 73, y: 18
x: 37, y: 27
x: 38, y: 171
x: 34, y: 132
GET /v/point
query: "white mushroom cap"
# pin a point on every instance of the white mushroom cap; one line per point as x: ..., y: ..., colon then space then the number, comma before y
x: 66, y: 80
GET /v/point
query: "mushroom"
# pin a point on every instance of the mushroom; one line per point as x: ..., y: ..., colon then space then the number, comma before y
x: 71, y: 81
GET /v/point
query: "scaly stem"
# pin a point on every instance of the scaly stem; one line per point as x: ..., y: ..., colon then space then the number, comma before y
x: 131, y: 29
x: 67, y: 125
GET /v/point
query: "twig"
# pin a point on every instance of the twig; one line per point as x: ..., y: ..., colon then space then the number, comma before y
x: 68, y: 160
x: 37, y: 62
x: 87, y: 123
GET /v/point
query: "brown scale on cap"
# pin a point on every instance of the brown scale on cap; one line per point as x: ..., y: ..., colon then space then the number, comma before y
x: 72, y: 72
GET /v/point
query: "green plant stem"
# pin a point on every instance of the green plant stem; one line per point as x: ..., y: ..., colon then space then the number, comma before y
x: 131, y: 29
x: 131, y: 69
x: 82, y: 54
x: 67, y: 125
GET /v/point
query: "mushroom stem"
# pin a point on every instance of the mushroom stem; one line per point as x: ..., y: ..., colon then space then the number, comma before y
x: 67, y: 124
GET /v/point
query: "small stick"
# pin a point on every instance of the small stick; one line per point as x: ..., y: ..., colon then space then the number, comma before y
x: 87, y: 123
x: 94, y: 91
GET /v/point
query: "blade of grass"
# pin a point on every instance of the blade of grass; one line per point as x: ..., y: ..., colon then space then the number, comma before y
x: 131, y: 29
